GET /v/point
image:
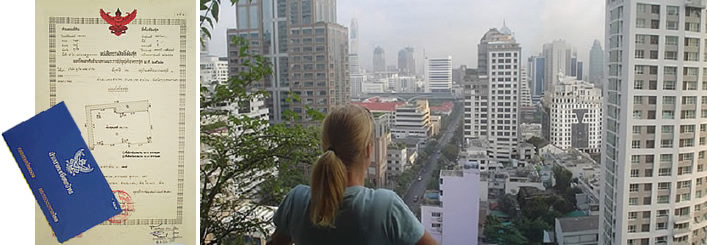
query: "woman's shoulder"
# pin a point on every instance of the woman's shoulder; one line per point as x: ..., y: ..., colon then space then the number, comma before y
x: 299, y: 192
x: 386, y: 196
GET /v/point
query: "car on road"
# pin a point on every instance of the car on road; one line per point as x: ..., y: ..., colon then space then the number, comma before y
x: 419, y: 178
x: 415, y: 198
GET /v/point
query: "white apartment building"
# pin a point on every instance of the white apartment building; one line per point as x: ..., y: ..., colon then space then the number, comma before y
x: 397, y: 159
x: 492, y: 98
x: 457, y: 220
x: 213, y: 70
x: 655, y: 106
x: 525, y: 97
x: 575, y: 114
x: 438, y: 74
x: 412, y: 121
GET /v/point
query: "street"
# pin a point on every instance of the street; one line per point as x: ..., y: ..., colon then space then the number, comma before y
x: 418, y: 188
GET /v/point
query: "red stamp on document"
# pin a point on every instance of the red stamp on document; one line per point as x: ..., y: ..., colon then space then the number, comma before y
x: 126, y: 203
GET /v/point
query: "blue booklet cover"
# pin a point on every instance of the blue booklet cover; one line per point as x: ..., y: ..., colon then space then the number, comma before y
x: 63, y: 175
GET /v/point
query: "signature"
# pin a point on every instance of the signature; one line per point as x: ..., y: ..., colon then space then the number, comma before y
x: 164, y: 234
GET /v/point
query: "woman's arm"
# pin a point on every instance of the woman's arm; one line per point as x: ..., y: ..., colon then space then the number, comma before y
x: 426, y: 240
x: 280, y: 239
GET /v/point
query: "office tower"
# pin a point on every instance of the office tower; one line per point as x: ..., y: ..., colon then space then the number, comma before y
x: 536, y: 68
x: 596, y: 64
x: 580, y: 70
x: 458, y: 74
x: 379, y: 59
x: 573, y: 67
x: 558, y: 58
x: 454, y: 219
x: 492, y: 95
x: 406, y: 61
x: 355, y: 73
x: 655, y: 123
x: 307, y: 49
x: 354, y: 66
x: 353, y: 36
x: 439, y: 75
x: 575, y: 115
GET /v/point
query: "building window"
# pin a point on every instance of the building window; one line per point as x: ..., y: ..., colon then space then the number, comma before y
x: 664, y: 172
x: 667, y: 129
x: 631, y: 229
x: 638, y: 84
x: 634, y: 173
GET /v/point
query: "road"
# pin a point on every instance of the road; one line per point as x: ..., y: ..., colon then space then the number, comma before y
x: 418, y: 187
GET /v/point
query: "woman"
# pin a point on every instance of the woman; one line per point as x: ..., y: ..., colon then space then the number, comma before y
x: 337, y: 209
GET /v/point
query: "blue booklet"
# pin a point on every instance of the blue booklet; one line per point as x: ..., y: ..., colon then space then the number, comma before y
x: 63, y: 175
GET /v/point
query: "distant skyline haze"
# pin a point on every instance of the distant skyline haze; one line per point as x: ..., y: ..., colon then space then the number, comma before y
x: 454, y: 27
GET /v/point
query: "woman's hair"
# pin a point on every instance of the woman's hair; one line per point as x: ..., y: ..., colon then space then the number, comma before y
x: 346, y: 134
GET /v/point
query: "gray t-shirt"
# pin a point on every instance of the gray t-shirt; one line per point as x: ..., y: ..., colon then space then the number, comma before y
x: 366, y: 216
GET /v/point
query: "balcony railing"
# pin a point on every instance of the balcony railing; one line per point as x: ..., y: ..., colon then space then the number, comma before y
x: 695, y: 3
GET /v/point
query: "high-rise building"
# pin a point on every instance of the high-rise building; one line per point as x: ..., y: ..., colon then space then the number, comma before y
x: 458, y: 74
x: 575, y: 115
x: 356, y: 76
x: 455, y: 220
x: 379, y: 59
x: 353, y: 36
x: 655, y: 125
x: 492, y: 95
x: 580, y: 70
x: 406, y: 61
x: 536, y: 68
x: 439, y: 75
x: 525, y: 100
x: 558, y: 58
x: 573, y: 67
x: 306, y: 47
x: 596, y: 64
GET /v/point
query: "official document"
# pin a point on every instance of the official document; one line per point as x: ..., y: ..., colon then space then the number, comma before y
x: 125, y: 70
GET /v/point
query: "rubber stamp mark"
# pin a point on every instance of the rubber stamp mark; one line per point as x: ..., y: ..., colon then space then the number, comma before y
x: 126, y: 203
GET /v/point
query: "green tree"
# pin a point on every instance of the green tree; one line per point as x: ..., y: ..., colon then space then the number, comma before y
x: 532, y: 229
x: 502, y: 234
x: 451, y: 151
x: 535, y: 208
x: 509, y: 205
x: 246, y: 163
x: 563, y: 206
x: 563, y: 178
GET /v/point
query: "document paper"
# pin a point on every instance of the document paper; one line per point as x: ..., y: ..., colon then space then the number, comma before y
x: 126, y: 72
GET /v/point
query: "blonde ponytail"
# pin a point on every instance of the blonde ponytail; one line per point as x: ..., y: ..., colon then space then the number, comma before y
x: 328, y: 182
x: 346, y: 134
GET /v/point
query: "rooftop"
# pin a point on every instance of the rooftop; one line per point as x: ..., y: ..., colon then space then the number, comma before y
x: 380, y: 106
x: 576, y: 224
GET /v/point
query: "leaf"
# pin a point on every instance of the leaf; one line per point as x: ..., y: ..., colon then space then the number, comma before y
x: 206, y: 32
x: 214, y: 10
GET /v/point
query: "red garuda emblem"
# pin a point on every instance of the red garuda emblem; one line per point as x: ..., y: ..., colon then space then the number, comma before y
x: 118, y: 22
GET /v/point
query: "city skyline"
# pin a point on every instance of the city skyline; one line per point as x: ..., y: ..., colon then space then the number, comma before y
x: 396, y: 24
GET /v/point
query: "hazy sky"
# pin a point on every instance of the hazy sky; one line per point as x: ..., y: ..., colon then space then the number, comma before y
x: 454, y: 27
